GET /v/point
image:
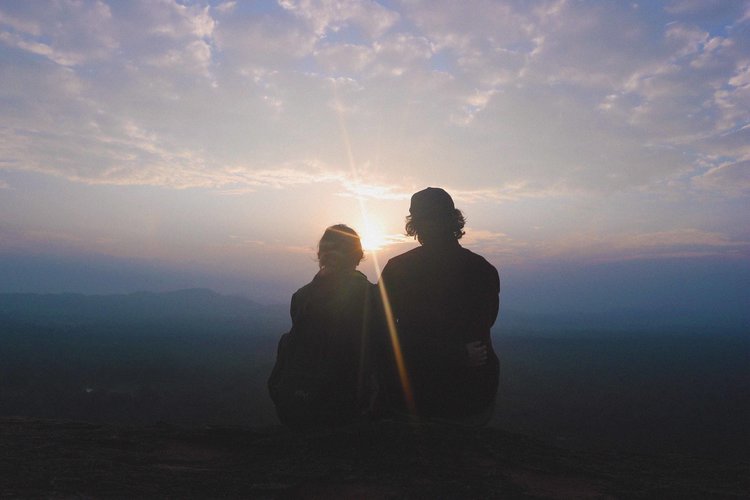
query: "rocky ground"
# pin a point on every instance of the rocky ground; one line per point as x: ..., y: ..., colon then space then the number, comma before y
x: 59, y: 459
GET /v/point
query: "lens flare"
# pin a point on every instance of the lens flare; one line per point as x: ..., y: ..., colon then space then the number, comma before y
x: 372, y: 236
x: 372, y: 240
x: 397, y: 354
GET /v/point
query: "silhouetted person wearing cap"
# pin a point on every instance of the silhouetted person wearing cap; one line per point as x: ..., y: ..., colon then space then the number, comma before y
x: 444, y: 300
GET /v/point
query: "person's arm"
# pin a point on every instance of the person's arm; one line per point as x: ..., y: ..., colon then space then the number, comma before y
x: 434, y: 350
x: 476, y: 353
x: 293, y: 307
x: 494, y: 308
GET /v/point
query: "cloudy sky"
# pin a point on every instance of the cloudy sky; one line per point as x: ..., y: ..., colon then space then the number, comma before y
x: 223, y: 137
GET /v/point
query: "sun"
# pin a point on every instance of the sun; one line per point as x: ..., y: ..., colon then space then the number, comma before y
x: 372, y: 237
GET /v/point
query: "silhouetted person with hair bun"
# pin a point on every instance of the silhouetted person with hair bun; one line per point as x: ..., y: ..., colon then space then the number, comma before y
x: 321, y: 376
x: 444, y: 299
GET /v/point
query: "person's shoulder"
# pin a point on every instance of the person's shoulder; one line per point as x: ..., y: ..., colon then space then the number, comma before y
x: 403, y: 264
x: 468, y: 254
x: 406, y: 257
x: 358, y: 280
x: 304, y: 291
x: 477, y: 260
x: 360, y: 277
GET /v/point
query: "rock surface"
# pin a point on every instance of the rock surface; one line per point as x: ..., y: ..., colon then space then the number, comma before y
x: 388, y: 459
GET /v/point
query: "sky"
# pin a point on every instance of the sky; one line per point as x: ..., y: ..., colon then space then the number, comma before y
x: 158, y: 144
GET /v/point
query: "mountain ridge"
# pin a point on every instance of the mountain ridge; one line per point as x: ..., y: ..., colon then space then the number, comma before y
x: 177, y: 304
x: 206, y: 304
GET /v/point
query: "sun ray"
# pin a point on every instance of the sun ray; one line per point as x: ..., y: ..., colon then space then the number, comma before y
x: 372, y: 237
x: 403, y: 375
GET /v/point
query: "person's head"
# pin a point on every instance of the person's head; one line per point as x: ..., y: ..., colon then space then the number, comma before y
x: 433, y: 217
x: 339, y: 248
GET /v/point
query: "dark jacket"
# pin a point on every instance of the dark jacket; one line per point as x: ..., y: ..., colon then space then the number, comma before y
x: 442, y: 297
x: 325, y: 351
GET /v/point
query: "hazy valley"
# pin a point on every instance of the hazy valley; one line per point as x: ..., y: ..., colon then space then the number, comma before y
x: 195, y: 357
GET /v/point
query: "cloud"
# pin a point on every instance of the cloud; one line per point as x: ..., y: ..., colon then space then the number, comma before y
x: 184, y: 94
x: 495, y: 245
x: 238, y: 244
x: 15, y: 238
x: 370, y: 189
x: 511, y: 191
x: 26, y: 26
x: 687, y: 242
x: 225, y: 7
x: 262, y: 42
x: 326, y: 16
x: 653, y: 76
x: 359, y: 189
x: 705, y: 9
x: 677, y: 238
x: 66, y: 32
x: 685, y: 39
x: 731, y: 178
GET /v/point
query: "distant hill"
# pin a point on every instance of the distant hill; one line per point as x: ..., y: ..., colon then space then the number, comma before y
x: 204, y: 306
x: 618, y: 321
x: 180, y: 306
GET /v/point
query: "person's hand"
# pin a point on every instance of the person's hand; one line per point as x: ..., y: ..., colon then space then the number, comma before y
x: 477, y: 351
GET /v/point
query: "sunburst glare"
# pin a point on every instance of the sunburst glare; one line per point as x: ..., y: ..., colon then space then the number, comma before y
x: 372, y: 236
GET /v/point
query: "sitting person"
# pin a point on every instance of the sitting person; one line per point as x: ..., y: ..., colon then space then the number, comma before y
x: 321, y: 377
x: 444, y: 300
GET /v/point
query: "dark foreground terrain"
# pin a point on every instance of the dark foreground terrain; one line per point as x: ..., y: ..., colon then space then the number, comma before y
x: 60, y: 459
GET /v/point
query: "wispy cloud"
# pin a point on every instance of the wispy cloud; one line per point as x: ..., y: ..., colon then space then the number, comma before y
x: 523, y: 75
x: 68, y: 33
x: 237, y: 243
x: 661, y: 244
x: 731, y: 178
x: 326, y: 16
x: 510, y: 103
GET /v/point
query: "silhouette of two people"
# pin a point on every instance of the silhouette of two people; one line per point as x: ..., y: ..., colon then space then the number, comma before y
x: 418, y: 346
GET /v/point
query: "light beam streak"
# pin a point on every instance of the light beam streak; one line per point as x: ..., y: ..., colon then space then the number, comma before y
x: 403, y: 375
x: 385, y: 300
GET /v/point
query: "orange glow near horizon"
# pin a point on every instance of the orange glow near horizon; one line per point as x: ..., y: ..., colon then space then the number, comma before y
x: 372, y: 235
